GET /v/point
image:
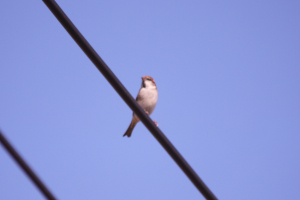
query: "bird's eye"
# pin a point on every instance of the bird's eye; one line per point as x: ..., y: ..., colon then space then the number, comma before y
x: 148, y: 79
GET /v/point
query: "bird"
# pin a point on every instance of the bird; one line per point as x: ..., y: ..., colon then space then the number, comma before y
x: 147, y: 99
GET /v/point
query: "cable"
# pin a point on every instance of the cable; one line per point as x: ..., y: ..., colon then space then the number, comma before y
x: 38, y: 183
x: 126, y: 96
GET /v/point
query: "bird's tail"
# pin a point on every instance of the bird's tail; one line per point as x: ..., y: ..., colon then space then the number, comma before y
x: 130, y: 128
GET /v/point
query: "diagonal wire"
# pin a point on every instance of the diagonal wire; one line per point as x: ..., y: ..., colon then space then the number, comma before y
x: 126, y: 96
x: 39, y: 184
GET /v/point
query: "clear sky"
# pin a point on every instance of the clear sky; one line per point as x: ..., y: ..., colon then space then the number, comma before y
x: 227, y: 74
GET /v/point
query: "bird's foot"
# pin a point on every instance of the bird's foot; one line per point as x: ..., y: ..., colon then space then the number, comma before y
x: 155, y: 122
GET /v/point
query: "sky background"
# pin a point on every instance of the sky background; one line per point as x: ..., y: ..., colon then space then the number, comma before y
x: 227, y: 74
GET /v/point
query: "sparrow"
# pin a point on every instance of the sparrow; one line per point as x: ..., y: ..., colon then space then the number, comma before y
x: 147, y: 99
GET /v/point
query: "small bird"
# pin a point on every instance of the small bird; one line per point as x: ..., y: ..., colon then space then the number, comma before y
x: 146, y: 98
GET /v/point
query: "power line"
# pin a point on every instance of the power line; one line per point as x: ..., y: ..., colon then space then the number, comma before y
x: 125, y: 95
x: 117, y: 85
x: 26, y: 168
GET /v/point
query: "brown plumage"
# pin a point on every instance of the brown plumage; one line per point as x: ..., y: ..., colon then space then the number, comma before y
x: 146, y: 98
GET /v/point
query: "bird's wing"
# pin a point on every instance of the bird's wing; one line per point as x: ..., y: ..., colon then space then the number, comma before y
x: 139, y: 97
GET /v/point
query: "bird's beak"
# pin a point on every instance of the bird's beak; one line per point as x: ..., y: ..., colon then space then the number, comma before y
x: 143, y: 82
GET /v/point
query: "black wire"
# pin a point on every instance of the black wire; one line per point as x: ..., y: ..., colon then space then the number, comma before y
x: 121, y: 90
x: 26, y: 168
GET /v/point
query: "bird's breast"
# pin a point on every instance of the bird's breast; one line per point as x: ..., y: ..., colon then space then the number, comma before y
x: 148, y: 99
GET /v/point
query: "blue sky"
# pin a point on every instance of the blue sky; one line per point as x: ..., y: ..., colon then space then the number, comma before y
x: 228, y: 80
